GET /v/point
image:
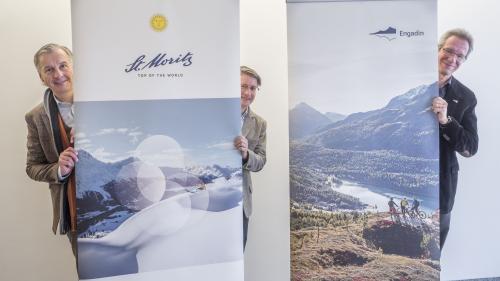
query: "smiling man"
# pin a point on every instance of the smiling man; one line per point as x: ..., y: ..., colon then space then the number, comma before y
x: 455, y: 111
x: 50, y: 157
x: 252, y: 141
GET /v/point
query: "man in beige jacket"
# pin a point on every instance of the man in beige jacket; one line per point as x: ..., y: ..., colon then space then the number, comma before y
x: 252, y: 142
x: 47, y: 161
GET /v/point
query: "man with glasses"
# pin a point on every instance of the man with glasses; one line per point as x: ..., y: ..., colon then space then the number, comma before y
x: 455, y: 111
x: 252, y: 141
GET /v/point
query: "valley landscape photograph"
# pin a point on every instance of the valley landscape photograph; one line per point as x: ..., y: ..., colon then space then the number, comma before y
x: 343, y: 174
x: 364, y: 151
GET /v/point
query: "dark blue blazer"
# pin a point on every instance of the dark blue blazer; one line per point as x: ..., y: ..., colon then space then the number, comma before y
x: 459, y: 135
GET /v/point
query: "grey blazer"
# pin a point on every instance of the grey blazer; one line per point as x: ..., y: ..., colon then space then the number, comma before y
x: 42, y: 155
x: 254, y: 129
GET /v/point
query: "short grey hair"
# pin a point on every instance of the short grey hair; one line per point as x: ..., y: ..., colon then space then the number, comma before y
x: 250, y: 72
x: 460, y: 33
x: 47, y: 49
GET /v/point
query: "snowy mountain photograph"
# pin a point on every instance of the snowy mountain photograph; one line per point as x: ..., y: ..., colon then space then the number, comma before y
x: 147, y: 192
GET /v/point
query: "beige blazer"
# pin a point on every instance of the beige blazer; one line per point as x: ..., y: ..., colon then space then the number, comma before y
x: 254, y: 129
x: 42, y: 156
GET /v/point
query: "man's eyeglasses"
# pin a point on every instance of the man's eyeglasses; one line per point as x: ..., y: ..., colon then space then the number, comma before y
x: 450, y: 52
x: 253, y: 89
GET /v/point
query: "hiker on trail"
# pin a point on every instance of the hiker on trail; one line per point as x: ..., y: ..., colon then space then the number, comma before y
x: 404, y: 206
x: 414, y: 206
x: 392, y: 207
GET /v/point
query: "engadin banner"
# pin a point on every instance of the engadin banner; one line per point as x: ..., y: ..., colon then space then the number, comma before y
x: 157, y: 108
x: 364, y: 168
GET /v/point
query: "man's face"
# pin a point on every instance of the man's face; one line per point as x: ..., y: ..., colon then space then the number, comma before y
x: 56, y: 72
x: 452, y: 55
x: 248, y: 90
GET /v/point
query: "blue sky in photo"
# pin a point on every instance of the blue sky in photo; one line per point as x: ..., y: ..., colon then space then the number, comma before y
x: 204, y: 128
x: 335, y: 65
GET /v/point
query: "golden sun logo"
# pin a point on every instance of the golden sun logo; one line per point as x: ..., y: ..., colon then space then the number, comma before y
x: 158, y: 22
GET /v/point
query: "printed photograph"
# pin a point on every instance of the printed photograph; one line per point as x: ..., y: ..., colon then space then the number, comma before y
x: 364, y: 151
x: 158, y: 185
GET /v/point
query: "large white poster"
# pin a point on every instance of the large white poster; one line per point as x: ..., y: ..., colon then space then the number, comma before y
x: 364, y: 167
x: 157, y: 108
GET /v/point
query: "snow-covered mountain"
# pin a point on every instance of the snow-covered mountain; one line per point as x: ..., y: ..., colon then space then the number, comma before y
x: 92, y: 174
x: 110, y: 193
x: 208, y: 173
x: 406, y: 124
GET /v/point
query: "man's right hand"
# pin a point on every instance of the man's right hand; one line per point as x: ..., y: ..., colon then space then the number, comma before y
x: 241, y: 144
x: 67, y: 160
x: 440, y: 107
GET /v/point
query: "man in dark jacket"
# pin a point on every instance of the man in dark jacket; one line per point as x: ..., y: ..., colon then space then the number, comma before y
x: 455, y: 111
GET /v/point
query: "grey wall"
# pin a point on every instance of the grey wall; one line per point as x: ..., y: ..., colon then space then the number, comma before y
x: 473, y: 244
x: 28, y: 250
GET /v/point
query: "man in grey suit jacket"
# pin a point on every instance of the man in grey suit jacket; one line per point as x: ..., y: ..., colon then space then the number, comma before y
x: 46, y: 160
x: 252, y: 142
